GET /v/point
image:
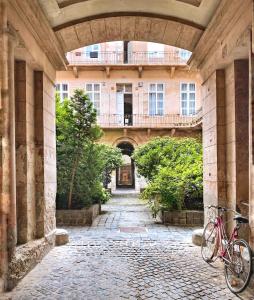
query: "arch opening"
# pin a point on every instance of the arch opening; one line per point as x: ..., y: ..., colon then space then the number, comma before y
x: 125, y: 175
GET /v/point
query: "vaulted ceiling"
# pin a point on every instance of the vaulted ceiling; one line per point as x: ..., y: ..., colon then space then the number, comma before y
x: 179, y: 23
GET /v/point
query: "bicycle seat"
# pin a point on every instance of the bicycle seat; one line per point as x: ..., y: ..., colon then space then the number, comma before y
x: 241, y: 219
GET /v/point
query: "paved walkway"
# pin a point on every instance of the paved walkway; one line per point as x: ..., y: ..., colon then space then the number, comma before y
x: 125, y: 255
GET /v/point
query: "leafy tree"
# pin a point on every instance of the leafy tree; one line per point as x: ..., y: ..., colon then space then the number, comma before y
x: 173, y: 169
x: 83, y: 165
x: 76, y: 128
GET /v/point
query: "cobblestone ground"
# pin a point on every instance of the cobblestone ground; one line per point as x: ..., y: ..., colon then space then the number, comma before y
x: 125, y: 255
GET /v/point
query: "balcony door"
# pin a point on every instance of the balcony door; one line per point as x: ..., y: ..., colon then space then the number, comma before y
x: 124, y: 104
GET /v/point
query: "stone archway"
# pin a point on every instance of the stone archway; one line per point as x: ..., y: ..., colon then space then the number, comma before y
x: 129, y: 26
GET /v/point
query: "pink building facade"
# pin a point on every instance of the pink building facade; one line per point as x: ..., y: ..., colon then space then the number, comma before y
x: 140, y: 90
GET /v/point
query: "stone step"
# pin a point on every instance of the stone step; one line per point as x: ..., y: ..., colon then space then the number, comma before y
x: 125, y: 195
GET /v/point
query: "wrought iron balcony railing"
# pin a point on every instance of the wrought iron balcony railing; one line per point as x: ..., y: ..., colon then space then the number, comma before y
x: 122, y: 58
x: 147, y: 121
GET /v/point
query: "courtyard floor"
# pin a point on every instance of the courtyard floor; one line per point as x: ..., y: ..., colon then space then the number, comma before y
x: 125, y: 255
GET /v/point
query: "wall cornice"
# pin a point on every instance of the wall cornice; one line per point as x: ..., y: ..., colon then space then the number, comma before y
x: 34, y: 19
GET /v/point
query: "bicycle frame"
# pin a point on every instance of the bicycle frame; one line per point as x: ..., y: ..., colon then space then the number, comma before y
x: 222, y: 249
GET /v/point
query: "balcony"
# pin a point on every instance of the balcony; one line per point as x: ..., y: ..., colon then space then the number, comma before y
x: 147, y: 121
x: 122, y: 58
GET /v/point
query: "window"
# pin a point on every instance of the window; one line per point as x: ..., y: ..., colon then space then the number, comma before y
x: 156, y: 99
x: 155, y: 50
x: 92, y: 51
x: 93, y: 91
x: 188, y: 98
x: 63, y: 90
x: 185, y: 54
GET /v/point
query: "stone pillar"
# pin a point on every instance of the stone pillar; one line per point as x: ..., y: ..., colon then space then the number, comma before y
x: 12, y: 228
x: 7, y: 147
x: 241, y: 84
x: 39, y: 153
x: 213, y: 95
x: 25, y: 166
x: 45, y: 154
x: 4, y: 200
x: 237, y: 140
x: 251, y: 147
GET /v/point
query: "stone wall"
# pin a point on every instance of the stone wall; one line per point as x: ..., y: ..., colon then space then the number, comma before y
x: 26, y: 258
x: 82, y: 217
x: 27, y: 143
x: 184, y: 217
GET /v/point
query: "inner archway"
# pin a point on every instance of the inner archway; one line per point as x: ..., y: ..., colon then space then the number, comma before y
x: 125, y: 175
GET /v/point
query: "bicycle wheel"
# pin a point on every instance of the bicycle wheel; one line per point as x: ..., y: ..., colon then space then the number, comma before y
x: 209, y: 243
x: 238, y: 266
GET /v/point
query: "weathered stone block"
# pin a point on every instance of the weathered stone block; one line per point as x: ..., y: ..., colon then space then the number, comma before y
x: 81, y: 217
x: 62, y: 237
x: 197, y: 237
x: 185, y: 217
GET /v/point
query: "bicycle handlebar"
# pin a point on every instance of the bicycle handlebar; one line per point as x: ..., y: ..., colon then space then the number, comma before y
x: 222, y: 208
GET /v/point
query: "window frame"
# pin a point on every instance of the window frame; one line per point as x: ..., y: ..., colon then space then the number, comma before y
x: 88, y: 49
x: 156, y: 101
x: 61, y: 91
x: 188, y: 100
x: 93, y: 92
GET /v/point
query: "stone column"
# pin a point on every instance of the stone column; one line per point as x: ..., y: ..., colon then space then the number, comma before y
x: 7, y: 147
x: 241, y: 74
x: 21, y: 151
x: 213, y: 94
x: 12, y: 228
x: 45, y: 154
x: 237, y: 140
x: 251, y: 147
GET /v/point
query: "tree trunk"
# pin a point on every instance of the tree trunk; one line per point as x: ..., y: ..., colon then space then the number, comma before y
x: 74, y: 169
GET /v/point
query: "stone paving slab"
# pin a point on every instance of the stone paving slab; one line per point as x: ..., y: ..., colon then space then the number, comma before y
x: 102, y: 263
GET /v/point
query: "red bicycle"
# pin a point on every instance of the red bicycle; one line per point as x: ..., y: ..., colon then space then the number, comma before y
x: 235, y: 253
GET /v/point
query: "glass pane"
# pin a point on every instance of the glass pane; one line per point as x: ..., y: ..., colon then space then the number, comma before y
x: 184, y: 104
x: 65, y: 95
x: 96, y: 96
x: 152, y: 87
x: 160, y: 108
x: 184, y: 111
x: 90, y: 96
x: 152, y: 103
x: 65, y: 87
x: 128, y: 88
x: 184, y: 86
x: 119, y: 87
x: 96, y: 87
x: 159, y: 87
x: 184, y: 96
x: 192, y: 105
x: 89, y: 87
x: 160, y: 111
x: 192, y: 96
x: 160, y: 96
x: 97, y: 106
x: 95, y: 47
x: 192, y: 87
x: 58, y: 87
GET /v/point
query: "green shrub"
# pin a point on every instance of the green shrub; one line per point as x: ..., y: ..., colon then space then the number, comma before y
x: 173, y: 169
